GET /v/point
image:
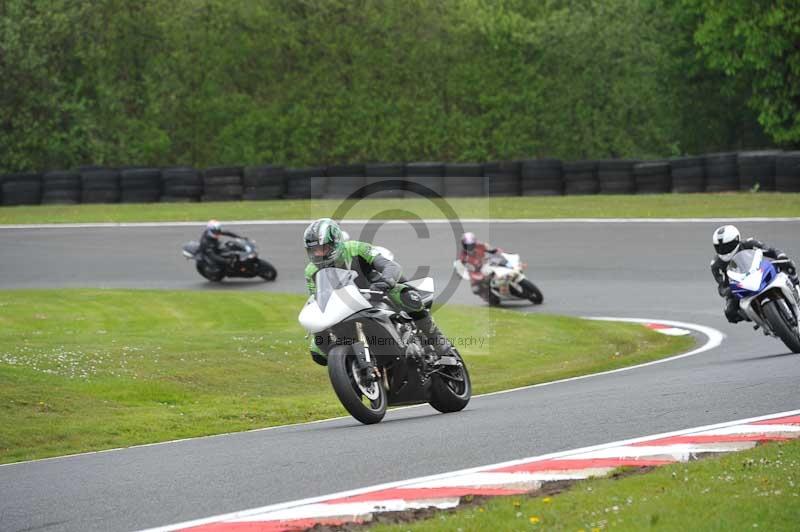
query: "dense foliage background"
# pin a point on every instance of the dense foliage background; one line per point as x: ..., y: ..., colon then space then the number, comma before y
x: 298, y: 82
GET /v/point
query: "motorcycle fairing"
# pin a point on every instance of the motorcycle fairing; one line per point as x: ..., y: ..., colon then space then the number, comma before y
x: 754, y: 280
x: 751, y: 305
x: 336, y: 299
x: 190, y: 249
x: 749, y: 273
x: 512, y: 259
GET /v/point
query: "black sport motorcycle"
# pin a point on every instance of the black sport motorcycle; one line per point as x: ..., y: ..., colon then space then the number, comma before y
x: 376, y: 355
x: 243, y: 261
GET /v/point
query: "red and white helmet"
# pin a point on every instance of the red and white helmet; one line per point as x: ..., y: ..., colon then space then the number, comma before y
x: 468, y: 242
x: 726, y: 241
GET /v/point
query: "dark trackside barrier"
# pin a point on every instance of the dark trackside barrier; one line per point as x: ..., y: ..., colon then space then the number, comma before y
x: 763, y: 170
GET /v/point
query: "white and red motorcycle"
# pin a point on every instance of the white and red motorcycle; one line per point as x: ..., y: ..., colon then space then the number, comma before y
x: 500, y: 278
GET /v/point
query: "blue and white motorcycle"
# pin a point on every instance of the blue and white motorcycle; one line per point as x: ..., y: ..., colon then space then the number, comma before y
x: 766, y: 296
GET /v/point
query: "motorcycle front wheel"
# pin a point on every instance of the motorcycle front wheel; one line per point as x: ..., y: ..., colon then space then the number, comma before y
x: 451, y: 388
x: 366, y: 401
x: 266, y: 270
x: 532, y: 294
x: 781, y: 326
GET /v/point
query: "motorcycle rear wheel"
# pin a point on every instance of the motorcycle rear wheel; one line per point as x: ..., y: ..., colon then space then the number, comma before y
x: 352, y: 391
x: 214, y: 277
x: 450, y: 394
x: 776, y: 319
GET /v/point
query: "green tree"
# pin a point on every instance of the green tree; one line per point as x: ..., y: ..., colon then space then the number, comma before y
x: 758, y: 42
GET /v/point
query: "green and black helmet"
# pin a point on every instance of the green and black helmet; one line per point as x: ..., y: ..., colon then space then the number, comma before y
x: 322, y: 239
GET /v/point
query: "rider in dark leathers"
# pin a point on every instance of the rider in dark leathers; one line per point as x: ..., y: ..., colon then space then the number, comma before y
x: 326, y: 247
x: 210, y: 244
x: 727, y: 243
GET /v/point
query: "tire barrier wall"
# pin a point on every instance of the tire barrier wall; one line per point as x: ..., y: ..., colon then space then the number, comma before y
x: 765, y: 170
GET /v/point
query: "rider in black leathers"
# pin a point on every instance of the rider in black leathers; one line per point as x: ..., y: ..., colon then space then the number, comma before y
x: 210, y: 244
x: 727, y: 243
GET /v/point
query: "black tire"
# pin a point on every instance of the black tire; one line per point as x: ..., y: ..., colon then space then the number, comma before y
x: 542, y: 177
x: 345, y: 170
x: 340, y: 370
x: 580, y: 177
x: 688, y: 174
x: 222, y: 181
x: 306, y: 183
x: 615, y: 176
x: 787, y: 172
x: 184, y: 191
x: 502, y: 178
x: 449, y: 395
x: 140, y: 195
x: 532, y: 293
x: 267, y: 271
x: 377, y: 188
x: 780, y: 327
x: 757, y: 168
x: 429, y: 175
x: 21, y: 193
x: 223, y: 171
x: 211, y: 276
x: 178, y: 199
x: 264, y: 176
x: 181, y: 177
x: 100, y: 180
x: 265, y: 192
x: 100, y: 196
x: 62, y: 197
x: 345, y: 186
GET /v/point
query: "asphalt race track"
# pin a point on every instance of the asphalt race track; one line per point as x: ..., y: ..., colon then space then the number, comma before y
x: 648, y: 270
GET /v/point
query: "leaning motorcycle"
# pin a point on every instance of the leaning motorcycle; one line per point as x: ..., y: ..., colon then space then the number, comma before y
x: 243, y: 261
x: 766, y: 296
x: 501, y: 278
x: 376, y: 355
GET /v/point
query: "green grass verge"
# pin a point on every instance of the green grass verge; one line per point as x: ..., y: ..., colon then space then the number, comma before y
x: 92, y: 369
x: 757, y: 489
x: 641, y: 206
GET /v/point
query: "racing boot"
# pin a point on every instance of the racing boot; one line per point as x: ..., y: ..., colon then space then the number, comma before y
x: 439, y: 341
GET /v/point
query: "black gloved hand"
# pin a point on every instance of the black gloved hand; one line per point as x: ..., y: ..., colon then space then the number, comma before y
x: 380, y: 286
x: 724, y: 290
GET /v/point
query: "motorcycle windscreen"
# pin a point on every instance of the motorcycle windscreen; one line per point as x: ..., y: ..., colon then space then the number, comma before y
x: 238, y: 244
x: 745, y: 272
x: 337, y: 298
x: 743, y: 263
x: 512, y: 259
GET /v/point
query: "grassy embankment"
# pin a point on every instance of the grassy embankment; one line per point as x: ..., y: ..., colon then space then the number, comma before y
x: 734, y: 205
x: 95, y: 369
x: 757, y: 489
